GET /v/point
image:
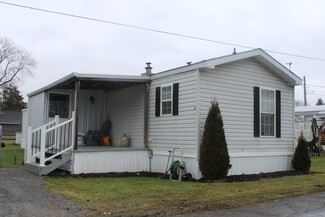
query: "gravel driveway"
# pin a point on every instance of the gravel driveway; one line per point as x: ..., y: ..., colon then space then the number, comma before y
x: 24, y: 194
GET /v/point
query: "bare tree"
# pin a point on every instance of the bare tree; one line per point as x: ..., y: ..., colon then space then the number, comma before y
x: 15, y: 62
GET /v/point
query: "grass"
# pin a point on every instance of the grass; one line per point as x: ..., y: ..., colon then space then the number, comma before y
x: 8, y: 153
x: 138, y: 196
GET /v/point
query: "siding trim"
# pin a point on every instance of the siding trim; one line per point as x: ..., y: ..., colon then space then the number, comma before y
x: 157, y: 108
x: 197, y: 108
x: 175, y: 98
x: 278, y: 114
x: 256, y: 112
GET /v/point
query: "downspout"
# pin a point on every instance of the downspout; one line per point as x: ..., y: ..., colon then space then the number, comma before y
x: 146, y: 104
x: 146, y: 118
x: 76, y: 110
x: 148, y: 69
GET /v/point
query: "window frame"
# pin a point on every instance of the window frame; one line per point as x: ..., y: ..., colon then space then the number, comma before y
x: 68, y: 104
x: 266, y: 112
x: 169, y: 100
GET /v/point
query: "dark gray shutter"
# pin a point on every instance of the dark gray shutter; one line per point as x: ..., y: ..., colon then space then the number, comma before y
x: 175, y: 98
x: 278, y: 114
x: 157, y: 101
x: 256, y: 112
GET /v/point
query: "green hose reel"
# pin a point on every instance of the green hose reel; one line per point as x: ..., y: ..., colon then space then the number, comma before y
x: 174, y: 167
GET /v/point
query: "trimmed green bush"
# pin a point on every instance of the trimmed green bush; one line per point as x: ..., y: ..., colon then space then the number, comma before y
x: 301, y: 160
x: 214, y: 158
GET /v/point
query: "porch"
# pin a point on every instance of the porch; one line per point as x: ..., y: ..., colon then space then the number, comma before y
x: 79, y: 103
x: 51, y: 146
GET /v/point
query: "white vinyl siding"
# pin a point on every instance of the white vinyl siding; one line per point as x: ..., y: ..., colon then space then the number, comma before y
x: 127, y: 107
x: 36, y: 110
x: 168, y: 131
x: 232, y: 86
x: 91, y: 116
x: 38, y: 107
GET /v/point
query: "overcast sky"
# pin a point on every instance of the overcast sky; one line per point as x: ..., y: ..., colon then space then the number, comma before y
x: 62, y: 45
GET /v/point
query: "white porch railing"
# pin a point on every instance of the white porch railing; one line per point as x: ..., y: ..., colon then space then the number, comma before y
x: 50, y: 140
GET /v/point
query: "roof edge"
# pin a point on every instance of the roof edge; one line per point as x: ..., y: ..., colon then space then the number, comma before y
x: 82, y: 76
x: 53, y: 84
x: 264, y: 58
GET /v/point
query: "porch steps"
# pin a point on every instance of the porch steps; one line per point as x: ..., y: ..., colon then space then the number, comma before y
x: 50, y: 165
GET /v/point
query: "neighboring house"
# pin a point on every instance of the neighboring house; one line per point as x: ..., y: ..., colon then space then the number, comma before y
x: 303, y: 118
x: 11, y: 123
x: 24, y: 125
x: 163, y: 111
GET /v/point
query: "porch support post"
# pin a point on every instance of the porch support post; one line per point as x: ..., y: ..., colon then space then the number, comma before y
x: 76, y: 111
x: 56, y: 138
x: 57, y: 119
x: 146, y: 104
x: 29, y: 145
x: 42, y: 148
x: 73, y: 141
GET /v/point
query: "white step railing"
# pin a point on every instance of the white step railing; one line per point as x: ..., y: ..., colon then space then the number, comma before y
x: 54, y: 138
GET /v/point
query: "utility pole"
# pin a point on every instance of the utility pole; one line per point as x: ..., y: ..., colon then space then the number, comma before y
x: 305, y: 96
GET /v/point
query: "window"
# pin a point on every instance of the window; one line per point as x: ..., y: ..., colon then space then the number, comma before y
x: 267, y: 112
x: 59, y: 105
x: 167, y: 100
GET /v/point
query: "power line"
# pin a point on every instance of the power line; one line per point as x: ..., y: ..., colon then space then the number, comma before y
x: 311, y: 85
x: 156, y: 30
x: 125, y: 25
x: 315, y: 94
x: 314, y: 91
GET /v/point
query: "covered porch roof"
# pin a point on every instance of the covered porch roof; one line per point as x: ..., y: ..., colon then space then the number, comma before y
x: 310, y: 110
x: 93, y: 81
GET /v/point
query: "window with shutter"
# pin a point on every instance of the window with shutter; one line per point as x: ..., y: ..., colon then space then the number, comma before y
x: 167, y: 100
x: 267, y: 112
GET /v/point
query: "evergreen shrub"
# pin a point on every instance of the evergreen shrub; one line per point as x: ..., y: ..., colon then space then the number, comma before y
x: 301, y: 160
x: 214, y: 158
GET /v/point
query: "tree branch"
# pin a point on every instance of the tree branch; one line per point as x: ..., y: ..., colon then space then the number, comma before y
x: 15, y: 62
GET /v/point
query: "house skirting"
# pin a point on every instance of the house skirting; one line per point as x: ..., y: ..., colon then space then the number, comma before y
x: 259, y: 163
x: 100, y: 160
x: 248, y: 163
x: 94, y: 160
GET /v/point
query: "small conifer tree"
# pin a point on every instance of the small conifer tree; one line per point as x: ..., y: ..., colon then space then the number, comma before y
x: 301, y: 160
x: 214, y: 158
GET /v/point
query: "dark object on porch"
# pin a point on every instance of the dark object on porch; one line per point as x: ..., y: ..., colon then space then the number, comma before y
x: 94, y: 138
x: 106, y: 129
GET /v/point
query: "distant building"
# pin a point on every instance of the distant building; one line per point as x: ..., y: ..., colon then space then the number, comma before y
x: 11, y: 122
x: 303, y: 117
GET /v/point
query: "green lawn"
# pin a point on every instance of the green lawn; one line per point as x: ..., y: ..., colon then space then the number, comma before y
x: 8, y: 154
x: 152, y: 196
